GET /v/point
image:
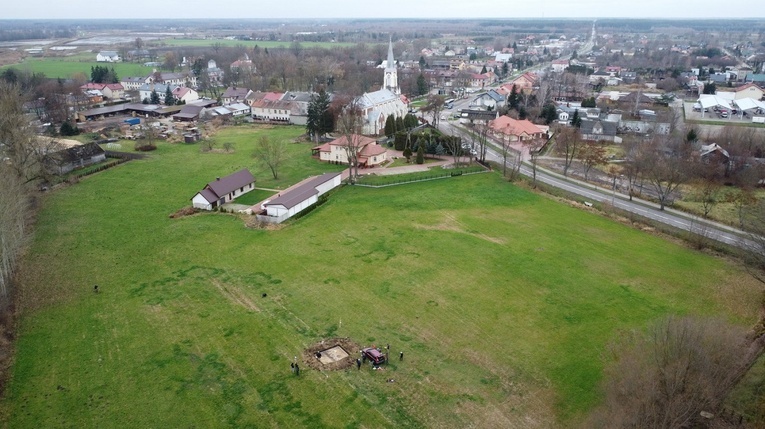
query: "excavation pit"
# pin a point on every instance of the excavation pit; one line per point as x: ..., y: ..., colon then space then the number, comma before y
x: 332, y: 355
x: 336, y: 354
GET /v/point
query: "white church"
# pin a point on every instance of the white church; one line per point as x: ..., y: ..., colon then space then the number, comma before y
x: 378, y: 105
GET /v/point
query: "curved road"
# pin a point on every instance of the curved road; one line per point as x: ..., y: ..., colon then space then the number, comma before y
x: 589, y: 193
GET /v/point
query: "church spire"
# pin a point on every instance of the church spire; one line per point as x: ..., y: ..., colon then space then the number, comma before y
x: 390, y: 80
x: 391, y: 64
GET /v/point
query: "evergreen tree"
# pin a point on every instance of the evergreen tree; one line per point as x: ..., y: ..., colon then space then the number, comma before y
x: 422, y: 85
x: 407, y: 153
x: 589, y: 102
x: 549, y: 114
x: 483, y: 70
x: 692, y: 136
x: 513, y: 99
x: 154, y: 97
x: 522, y: 113
x: 390, y: 126
x: 320, y: 120
x: 505, y: 69
x: 440, y: 151
x: 400, y: 124
x: 67, y: 129
x: 169, y: 98
x: 410, y: 121
x: 576, y: 120
x: 420, y: 155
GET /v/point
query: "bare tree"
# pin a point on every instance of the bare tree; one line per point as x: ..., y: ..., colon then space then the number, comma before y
x: 592, y: 154
x: 667, y: 165
x: 349, y: 124
x: 454, y: 147
x: 666, y: 377
x: 21, y: 162
x: 434, y: 106
x: 568, y: 142
x: 752, y: 219
x: 632, y: 167
x: 271, y: 153
x: 535, y: 151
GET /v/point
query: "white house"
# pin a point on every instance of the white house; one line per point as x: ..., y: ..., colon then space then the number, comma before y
x: 271, y: 110
x: 224, y: 190
x: 239, y: 109
x: 107, y: 57
x: 182, y: 93
x: 297, y: 199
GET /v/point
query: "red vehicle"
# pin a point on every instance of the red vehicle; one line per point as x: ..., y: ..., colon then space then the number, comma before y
x: 374, y: 355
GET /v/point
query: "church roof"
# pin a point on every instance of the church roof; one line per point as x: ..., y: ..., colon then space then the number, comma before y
x: 371, y: 99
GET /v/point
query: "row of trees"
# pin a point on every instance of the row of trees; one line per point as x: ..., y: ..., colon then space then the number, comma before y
x: 22, y: 163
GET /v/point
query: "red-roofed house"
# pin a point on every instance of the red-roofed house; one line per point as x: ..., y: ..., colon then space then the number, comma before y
x: 481, y: 80
x: 370, y: 153
x: 523, y: 83
x: 511, y: 129
x: 186, y: 94
x: 223, y: 190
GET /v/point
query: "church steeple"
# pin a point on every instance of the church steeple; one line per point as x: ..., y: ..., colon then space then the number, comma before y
x: 390, y: 80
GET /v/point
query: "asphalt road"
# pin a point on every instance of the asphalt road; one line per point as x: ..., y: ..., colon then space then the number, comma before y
x: 589, y: 193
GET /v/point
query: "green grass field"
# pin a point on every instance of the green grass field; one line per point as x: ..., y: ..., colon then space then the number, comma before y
x: 66, y: 68
x: 502, y: 300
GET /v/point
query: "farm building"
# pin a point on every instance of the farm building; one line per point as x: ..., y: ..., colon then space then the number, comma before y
x: 297, y: 199
x: 74, y: 157
x: 223, y: 190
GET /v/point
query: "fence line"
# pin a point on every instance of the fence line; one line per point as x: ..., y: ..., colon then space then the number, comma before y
x: 421, y: 179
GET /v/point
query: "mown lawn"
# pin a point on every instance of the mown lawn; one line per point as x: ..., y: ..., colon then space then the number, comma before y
x: 65, y: 68
x: 503, y: 302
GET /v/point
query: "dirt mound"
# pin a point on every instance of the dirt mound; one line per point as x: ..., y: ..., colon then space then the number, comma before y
x: 186, y: 211
x: 348, y: 345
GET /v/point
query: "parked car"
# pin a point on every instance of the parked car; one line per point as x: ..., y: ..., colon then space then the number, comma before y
x: 374, y: 355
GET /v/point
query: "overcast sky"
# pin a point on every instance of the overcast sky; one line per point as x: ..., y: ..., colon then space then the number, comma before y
x: 51, y: 9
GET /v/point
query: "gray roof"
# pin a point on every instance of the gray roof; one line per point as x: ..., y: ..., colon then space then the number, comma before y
x: 609, y: 128
x: 160, y: 88
x: 301, y: 193
x: 480, y: 114
x: 146, y: 108
x: 377, y: 97
x: 226, y: 185
x: 136, y: 79
x: 304, y: 97
x: 77, y: 153
x: 234, y: 92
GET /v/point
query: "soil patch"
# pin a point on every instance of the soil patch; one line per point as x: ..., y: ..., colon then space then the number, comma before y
x: 335, y: 354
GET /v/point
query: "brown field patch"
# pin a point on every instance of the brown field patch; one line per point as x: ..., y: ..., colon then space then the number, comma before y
x: 450, y: 223
x: 235, y: 295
